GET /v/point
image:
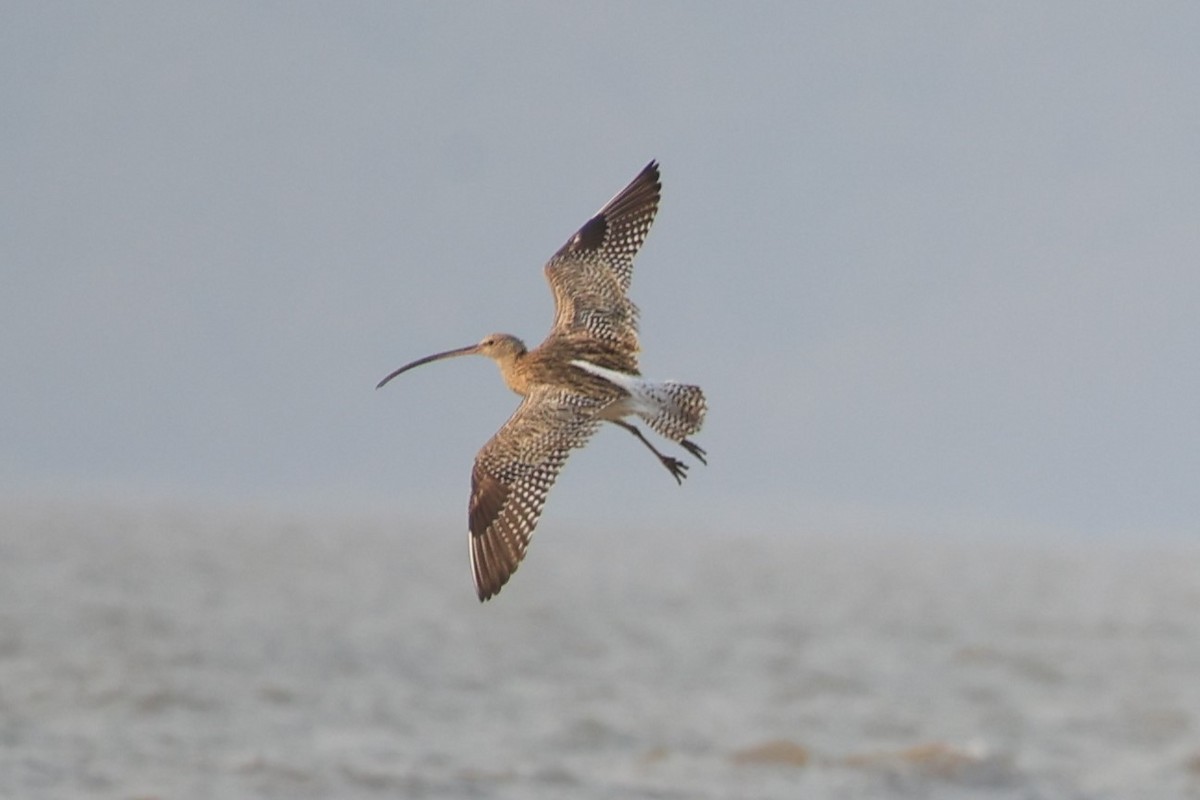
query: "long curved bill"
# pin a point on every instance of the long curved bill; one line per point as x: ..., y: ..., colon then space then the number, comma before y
x: 460, y: 351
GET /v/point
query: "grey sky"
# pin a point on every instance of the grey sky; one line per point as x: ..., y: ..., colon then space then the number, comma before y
x: 934, y: 264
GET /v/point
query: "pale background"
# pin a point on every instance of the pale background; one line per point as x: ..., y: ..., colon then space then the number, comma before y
x: 934, y: 264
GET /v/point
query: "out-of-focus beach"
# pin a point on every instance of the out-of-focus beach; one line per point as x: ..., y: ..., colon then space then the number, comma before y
x: 154, y: 651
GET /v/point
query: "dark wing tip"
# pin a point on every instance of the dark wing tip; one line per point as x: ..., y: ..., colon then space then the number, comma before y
x: 492, y: 561
x: 650, y: 173
x: 640, y: 197
x: 491, y: 569
x: 643, y: 190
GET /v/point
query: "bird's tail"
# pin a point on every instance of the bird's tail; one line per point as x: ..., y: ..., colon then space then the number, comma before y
x: 674, y: 410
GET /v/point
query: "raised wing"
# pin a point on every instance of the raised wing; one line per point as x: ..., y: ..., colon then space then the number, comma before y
x: 590, y: 274
x: 513, y: 474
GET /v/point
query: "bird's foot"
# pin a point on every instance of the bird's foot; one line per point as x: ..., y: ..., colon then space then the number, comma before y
x: 695, y: 450
x: 677, y: 468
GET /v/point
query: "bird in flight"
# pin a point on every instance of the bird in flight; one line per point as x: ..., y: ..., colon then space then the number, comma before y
x: 583, y: 374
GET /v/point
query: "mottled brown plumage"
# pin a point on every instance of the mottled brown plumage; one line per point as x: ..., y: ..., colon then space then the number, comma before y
x: 585, y: 372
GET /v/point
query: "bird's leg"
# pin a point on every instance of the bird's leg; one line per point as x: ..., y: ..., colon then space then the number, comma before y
x: 694, y: 449
x: 677, y: 468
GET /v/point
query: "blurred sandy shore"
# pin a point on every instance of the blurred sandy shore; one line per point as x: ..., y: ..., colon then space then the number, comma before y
x: 160, y: 652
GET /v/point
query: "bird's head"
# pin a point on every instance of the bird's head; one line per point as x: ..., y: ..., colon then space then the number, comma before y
x: 500, y: 347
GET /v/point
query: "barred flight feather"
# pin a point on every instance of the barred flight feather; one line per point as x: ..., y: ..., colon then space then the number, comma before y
x: 513, y: 474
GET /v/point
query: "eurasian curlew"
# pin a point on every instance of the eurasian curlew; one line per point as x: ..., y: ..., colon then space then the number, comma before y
x: 583, y: 374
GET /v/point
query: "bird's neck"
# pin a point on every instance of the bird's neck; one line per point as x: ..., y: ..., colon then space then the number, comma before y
x: 512, y: 369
